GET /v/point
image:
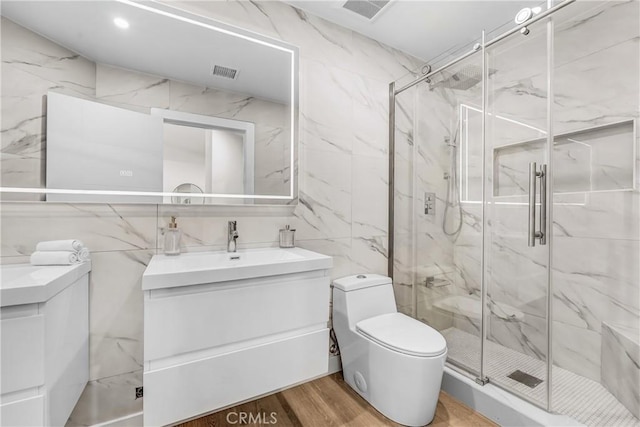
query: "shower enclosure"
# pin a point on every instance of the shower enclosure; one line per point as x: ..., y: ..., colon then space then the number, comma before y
x: 515, y: 210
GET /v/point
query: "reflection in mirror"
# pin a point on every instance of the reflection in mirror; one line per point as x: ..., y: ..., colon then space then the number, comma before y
x: 215, y: 155
x: 230, y: 74
x: 184, y: 159
x: 96, y: 147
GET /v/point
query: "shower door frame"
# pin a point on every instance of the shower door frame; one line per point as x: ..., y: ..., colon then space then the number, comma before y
x: 482, y: 379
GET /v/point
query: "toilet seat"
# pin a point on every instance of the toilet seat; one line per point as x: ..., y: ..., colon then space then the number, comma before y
x: 403, y: 334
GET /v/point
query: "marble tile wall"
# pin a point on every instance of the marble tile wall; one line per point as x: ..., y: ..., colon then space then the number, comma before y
x: 596, y: 235
x: 343, y: 181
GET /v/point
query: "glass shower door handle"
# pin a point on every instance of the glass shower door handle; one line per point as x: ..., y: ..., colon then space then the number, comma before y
x: 534, y: 174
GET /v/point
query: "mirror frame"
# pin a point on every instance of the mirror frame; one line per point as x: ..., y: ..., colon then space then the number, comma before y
x: 214, y: 25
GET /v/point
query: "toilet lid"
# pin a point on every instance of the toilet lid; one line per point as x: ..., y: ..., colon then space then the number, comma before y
x: 403, y: 334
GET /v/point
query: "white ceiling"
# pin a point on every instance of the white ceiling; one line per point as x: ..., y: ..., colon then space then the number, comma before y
x: 426, y: 28
x: 157, y: 44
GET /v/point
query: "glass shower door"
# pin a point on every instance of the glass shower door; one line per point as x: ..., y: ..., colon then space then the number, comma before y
x: 447, y: 237
x: 516, y: 217
x: 596, y: 206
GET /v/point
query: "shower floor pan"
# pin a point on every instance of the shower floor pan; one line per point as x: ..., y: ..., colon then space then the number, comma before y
x: 580, y: 398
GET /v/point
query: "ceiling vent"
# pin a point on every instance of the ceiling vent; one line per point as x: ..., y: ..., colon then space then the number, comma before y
x: 224, y: 72
x: 368, y: 9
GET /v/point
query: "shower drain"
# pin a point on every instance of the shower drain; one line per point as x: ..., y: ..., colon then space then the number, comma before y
x: 524, y: 378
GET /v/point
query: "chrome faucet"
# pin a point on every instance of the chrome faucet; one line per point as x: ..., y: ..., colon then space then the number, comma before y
x: 232, y: 236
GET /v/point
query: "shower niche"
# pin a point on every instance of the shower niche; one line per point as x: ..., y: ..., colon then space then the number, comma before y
x: 599, y: 158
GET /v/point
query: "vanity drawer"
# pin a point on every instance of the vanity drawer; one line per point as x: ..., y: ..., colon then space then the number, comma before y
x: 22, y: 347
x: 187, y: 390
x: 207, y: 316
x: 27, y: 412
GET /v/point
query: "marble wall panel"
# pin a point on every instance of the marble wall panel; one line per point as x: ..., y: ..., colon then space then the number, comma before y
x: 527, y: 336
x: 101, y: 227
x: 325, y: 195
x: 370, y: 180
x: 115, y: 312
x: 327, y: 121
x: 467, y: 262
x: 403, y: 259
x: 338, y: 249
x: 371, y: 137
x: 596, y: 280
x: 200, y: 228
x: 577, y: 350
x: 369, y: 255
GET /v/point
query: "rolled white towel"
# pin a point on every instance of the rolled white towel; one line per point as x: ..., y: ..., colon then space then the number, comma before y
x: 54, y: 258
x: 84, y: 255
x: 60, y: 245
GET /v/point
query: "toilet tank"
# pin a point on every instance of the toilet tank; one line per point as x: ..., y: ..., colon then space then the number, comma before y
x: 361, y: 297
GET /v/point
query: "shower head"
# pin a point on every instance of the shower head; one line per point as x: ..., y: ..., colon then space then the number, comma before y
x: 463, y: 79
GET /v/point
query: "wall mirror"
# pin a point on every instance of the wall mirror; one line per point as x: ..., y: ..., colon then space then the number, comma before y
x: 140, y: 102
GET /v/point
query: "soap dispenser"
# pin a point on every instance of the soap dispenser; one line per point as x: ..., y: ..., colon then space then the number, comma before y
x: 172, y: 238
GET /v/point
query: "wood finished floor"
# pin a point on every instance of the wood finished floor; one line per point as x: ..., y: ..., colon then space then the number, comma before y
x: 329, y: 401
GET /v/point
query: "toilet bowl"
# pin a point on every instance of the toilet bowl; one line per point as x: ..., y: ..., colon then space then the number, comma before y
x: 393, y: 361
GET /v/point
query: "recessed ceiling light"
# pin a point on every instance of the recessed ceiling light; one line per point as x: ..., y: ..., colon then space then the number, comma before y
x: 121, y: 23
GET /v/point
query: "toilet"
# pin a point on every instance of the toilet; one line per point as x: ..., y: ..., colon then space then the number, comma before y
x: 392, y: 360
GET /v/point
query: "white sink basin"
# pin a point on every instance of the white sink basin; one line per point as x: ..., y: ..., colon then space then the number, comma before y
x: 210, y: 267
x: 28, y: 284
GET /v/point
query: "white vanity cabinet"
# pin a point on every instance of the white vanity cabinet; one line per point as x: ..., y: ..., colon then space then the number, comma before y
x: 219, y: 331
x: 44, y: 342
